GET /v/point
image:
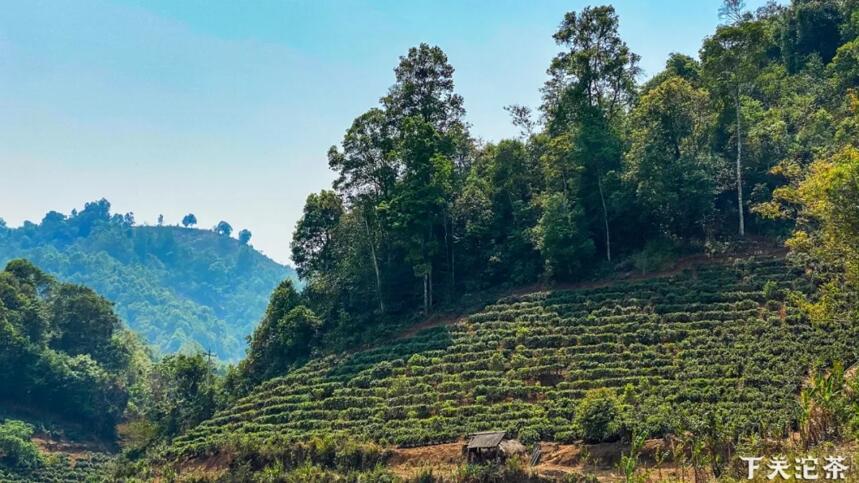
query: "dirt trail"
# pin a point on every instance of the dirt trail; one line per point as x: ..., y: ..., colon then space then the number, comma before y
x: 75, y: 450
x: 557, y: 461
x: 442, y: 459
x: 684, y: 263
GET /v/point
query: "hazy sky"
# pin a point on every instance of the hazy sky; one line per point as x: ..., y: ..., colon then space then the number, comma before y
x: 226, y: 109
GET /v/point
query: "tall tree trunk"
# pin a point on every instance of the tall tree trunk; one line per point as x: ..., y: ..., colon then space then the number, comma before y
x: 564, y: 183
x: 448, y: 244
x: 429, y: 283
x: 426, y: 294
x: 605, y: 220
x: 452, y: 262
x: 375, y: 266
x: 428, y: 267
x: 740, y: 166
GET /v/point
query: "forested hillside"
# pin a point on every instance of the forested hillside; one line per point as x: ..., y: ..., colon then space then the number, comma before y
x: 75, y: 381
x: 179, y: 287
x: 608, y: 174
x: 64, y: 356
x: 63, y: 350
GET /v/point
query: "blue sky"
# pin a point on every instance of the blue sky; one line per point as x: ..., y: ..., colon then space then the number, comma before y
x: 226, y: 109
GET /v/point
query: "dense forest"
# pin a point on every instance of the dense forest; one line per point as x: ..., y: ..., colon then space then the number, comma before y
x: 70, y: 365
x: 63, y: 349
x: 744, y: 160
x: 181, y: 288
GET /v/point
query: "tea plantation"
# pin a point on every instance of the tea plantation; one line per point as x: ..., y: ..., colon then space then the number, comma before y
x: 60, y: 469
x: 718, y: 341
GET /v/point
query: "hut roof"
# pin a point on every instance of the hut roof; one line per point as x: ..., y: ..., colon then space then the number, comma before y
x: 487, y: 439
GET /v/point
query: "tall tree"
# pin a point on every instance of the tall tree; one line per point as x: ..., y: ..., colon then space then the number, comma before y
x: 189, y: 220
x: 84, y: 322
x: 182, y: 393
x: 591, y: 84
x: 731, y: 58
x: 668, y: 162
x: 420, y: 205
x: 367, y: 175
x: 312, y: 241
x: 223, y: 228
x: 558, y: 235
x: 287, y: 333
x: 424, y: 89
x: 824, y: 201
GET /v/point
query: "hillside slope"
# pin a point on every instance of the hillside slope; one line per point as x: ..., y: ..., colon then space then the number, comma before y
x: 177, y: 287
x: 68, y: 455
x: 717, y: 341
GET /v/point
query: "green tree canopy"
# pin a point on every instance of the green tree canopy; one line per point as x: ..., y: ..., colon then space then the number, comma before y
x: 189, y: 220
x: 668, y: 162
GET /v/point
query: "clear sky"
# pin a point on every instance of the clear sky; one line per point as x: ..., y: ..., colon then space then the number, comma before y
x: 226, y: 109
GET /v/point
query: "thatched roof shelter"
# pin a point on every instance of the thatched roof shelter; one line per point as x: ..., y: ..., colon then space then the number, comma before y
x: 486, y: 439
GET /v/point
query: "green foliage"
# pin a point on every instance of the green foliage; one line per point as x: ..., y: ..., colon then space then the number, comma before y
x: 811, y: 29
x: 280, y: 340
x: 181, y: 289
x: 63, y: 350
x: 679, y: 66
x: 16, y: 449
x: 223, y: 228
x: 288, y: 333
x: 183, y: 392
x: 828, y: 406
x: 826, y: 235
x: 84, y: 323
x: 599, y: 416
x: 668, y: 162
x: 677, y: 347
x: 88, y: 467
x: 189, y: 220
x: 311, y: 248
x: 559, y: 239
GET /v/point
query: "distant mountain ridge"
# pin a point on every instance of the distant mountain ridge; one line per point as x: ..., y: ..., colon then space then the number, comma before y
x: 180, y: 288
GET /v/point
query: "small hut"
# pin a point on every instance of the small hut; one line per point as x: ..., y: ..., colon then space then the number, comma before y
x: 490, y: 446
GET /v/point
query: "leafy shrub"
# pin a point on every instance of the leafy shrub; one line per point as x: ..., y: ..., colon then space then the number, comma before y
x: 771, y: 290
x: 529, y: 436
x: 654, y: 257
x: 599, y: 416
x: 16, y: 449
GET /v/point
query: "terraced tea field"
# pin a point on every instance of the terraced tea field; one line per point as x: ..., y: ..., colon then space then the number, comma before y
x: 716, y: 341
x: 90, y: 467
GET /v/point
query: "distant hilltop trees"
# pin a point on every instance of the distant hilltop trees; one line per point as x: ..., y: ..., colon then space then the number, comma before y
x: 177, y: 287
x: 222, y: 228
x: 189, y: 220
